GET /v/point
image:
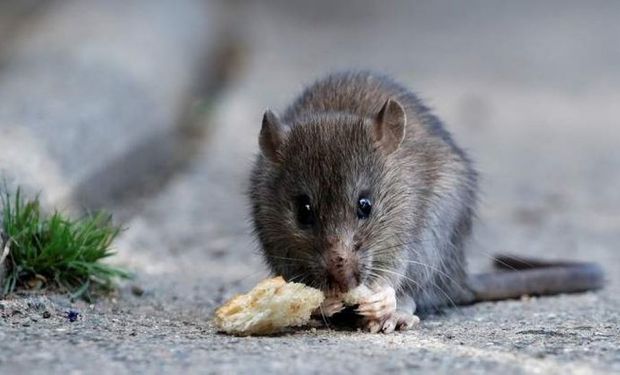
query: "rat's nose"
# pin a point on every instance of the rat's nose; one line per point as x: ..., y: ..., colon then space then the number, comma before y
x: 341, y: 269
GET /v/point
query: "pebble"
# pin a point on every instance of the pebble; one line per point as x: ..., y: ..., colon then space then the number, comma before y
x: 137, y: 291
x: 72, y: 315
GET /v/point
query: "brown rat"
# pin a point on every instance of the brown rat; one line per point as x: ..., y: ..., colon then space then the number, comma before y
x: 358, y: 183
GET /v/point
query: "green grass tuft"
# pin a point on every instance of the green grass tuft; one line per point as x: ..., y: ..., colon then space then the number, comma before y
x: 55, y: 251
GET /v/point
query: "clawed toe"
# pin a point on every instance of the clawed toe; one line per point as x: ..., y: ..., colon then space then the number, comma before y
x: 405, y: 321
x: 388, y: 326
x: 398, y: 321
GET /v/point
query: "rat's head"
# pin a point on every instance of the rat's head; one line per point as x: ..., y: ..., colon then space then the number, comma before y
x: 326, y: 191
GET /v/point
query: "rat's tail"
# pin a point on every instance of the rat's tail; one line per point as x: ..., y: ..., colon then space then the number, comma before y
x: 519, y: 276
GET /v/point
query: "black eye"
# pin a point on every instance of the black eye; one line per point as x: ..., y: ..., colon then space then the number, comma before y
x: 305, y: 216
x: 364, y: 206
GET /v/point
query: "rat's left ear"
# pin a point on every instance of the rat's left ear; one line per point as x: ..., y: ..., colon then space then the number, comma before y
x: 389, y: 126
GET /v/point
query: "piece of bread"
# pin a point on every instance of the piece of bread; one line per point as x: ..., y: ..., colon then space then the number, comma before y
x: 270, y: 307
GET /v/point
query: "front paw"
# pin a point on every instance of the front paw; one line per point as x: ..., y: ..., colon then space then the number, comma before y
x: 380, y: 313
x: 379, y: 305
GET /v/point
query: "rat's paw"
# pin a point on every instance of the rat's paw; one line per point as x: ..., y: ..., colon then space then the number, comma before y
x: 379, y: 305
x: 398, y: 321
x: 329, y: 307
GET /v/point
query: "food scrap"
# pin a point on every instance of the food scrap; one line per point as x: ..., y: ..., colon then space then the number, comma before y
x: 270, y: 307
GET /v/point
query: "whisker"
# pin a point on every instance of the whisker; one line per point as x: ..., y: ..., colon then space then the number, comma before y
x: 286, y: 258
x: 450, y: 278
x: 385, y: 250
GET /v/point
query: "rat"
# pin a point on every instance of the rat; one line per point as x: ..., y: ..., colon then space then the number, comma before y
x: 359, y: 184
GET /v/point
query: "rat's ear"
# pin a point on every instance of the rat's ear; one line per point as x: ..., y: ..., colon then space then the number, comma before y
x: 271, y: 136
x: 389, y: 127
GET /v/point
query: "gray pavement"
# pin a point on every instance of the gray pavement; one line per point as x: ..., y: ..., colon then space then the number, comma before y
x: 530, y: 90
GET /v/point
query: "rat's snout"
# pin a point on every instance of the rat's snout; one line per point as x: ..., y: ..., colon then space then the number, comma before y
x: 342, y: 267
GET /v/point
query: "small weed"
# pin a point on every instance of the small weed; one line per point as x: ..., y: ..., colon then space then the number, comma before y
x: 54, y: 251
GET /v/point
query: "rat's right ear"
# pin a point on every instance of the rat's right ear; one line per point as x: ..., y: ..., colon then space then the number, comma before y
x: 271, y: 136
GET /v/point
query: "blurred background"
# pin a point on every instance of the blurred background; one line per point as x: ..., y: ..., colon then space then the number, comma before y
x: 151, y: 110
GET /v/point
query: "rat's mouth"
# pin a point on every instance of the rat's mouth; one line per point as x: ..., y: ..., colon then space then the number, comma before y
x: 341, y: 283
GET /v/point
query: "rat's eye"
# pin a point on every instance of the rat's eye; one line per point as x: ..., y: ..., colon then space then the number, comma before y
x: 305, y: 216
x: 364, y: 206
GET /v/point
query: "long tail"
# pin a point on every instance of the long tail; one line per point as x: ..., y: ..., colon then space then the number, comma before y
x: 519, y: 276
